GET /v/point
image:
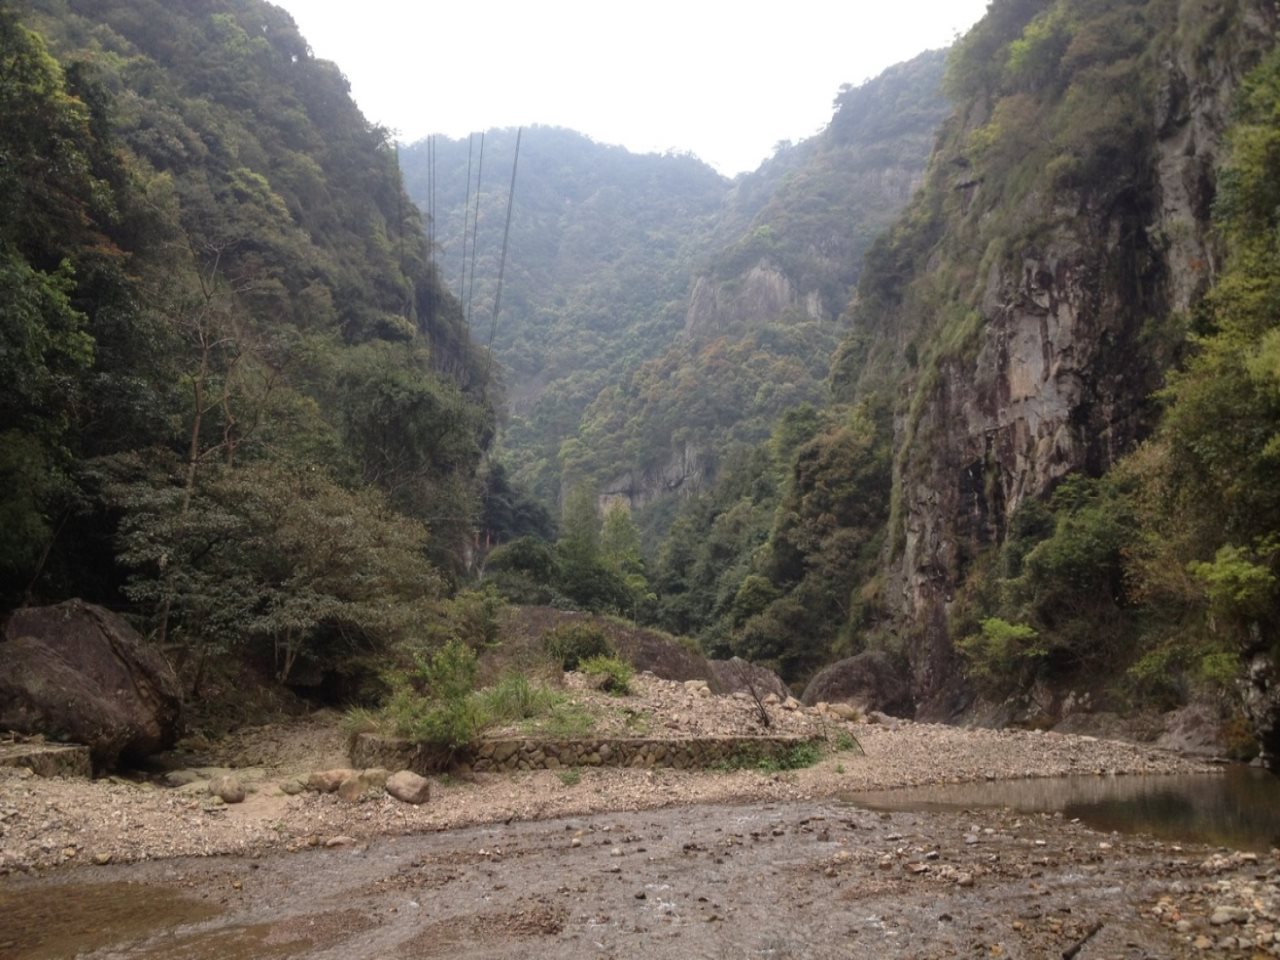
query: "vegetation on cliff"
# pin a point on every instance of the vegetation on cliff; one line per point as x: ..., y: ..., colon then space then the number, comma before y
x: 1067, y: 339
x: 234, y: 393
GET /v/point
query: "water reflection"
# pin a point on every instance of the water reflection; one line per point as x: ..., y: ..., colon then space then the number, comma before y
x: 1239, y: 808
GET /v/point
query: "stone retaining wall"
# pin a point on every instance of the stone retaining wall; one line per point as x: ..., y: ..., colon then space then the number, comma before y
x: 48, y: 759
x: 491, y: 756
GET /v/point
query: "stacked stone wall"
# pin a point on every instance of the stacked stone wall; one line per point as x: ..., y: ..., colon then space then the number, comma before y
x: 506, y: 755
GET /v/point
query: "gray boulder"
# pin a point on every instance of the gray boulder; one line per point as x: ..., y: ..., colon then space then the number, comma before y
x: 873, y: 680
x: 77, y: 671
x: 738, y: 675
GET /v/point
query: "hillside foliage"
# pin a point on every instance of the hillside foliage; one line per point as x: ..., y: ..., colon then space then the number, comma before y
x: 234, y: 394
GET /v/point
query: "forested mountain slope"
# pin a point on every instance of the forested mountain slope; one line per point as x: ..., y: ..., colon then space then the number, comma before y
x: 233, y: 393
x: 597, y: 270
x: 765, y: 308
x: 1051, y: 460
x: 657, y: 315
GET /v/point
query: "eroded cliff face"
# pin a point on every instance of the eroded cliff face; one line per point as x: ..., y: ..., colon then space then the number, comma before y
x: 1057, y: 367
x: 763, y: 293
x: 685, y: 472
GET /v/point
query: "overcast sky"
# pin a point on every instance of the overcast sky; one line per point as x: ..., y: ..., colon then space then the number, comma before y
x: 724, y: 80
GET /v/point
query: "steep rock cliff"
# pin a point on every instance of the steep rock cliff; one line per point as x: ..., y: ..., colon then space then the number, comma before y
x: 1024, y: 309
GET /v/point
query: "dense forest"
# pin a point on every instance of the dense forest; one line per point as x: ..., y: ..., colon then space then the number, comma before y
x: 981, y: 381
x: 236, y: 399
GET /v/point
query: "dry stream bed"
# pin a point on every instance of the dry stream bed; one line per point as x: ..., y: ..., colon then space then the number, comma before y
x: 624, y: 863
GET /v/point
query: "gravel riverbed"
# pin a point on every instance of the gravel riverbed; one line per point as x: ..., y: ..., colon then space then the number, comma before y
x: 48, y: 822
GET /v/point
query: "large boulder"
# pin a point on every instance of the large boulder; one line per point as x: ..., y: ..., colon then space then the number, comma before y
x: 871, y: 681
x: 738, y: 675
x: 78, y: 672
x: 1261, y: 697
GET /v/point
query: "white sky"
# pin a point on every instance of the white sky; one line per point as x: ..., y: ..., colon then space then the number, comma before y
x: 724, y: 80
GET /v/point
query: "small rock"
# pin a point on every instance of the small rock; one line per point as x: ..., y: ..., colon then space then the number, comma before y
x: 408, y: 787
x: 227, y: 788
x: 293, y: 786
x: 327, y: 781
x: 1225, y: 915
x: 339, y: 841
x: 102, y: 859
x: 363, y: 784
x: 845, y: 711
x: 791, y: 703
x: 1202, y: 943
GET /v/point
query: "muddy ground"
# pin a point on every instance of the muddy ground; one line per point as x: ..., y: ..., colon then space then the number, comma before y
x: 808, y: 879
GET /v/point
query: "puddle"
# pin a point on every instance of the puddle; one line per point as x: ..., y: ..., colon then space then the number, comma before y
x: 48, y: 922
x: 1239, y: 808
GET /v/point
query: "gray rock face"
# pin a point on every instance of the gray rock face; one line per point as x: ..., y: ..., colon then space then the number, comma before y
x: 871, y: 681
x: 1261, y: 701
x: 1057, y: 376
x: 79, y: 672
x: 685, y: 471
x: 760, y: 294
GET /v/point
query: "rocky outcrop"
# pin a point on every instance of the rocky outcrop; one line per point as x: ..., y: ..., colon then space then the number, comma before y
x: 871, y: 681
x: 738, y: 675
x: 684, y: 472
x: 1054, y: 370
x: 761, y: 294
x: 79, y: 672
x: 1261, y: 702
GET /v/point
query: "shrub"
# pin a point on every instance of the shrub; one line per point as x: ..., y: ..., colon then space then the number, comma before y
x: 434, y: 703
x: 615, y: 674
x: 572, y: 643
x: 846, y: 741
x: 1000, y: 651
x: 513, y: 697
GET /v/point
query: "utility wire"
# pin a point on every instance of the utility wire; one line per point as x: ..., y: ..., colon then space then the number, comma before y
x: 466, y: 205
x: 502, y: 262
x: 475, y: 233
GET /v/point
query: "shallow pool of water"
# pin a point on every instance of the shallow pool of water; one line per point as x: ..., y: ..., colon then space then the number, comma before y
x: 1238, y: 808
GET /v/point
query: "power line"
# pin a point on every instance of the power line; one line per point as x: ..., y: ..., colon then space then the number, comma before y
x: 475, y: 233
x: 502, y: 262
x: 466, y: 205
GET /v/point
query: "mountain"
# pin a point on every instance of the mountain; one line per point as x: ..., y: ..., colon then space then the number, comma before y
x: 1047, y: 477
x: 596, y: 270
x: 655, y: 315
x: 765, y: 308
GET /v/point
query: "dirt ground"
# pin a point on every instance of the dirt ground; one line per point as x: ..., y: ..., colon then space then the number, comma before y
x: 821, y: 879
x: 615, y: 863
